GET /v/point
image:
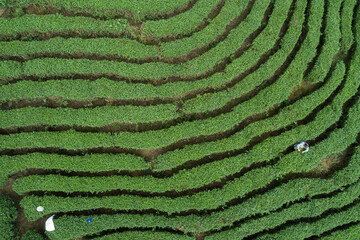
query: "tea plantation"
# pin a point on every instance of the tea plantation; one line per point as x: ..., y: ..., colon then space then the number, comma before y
x: 179, y: 119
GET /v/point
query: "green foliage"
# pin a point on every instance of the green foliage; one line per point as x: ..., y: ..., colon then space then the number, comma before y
x: 347, y: 16
x: 86, y: 163
x: 80, y: 117
x: 32, y: 235
x: 8, y: 215
x: 109, y: 8
x: 307, y: 229
x: 127, y: 48
x: 295, y: 189
x: 331, y: 43
x: 302, y: 230
x: 213, y: 101
x: 12, y: 3
x: 87, y: 89
x: 348, y: 233
x: 230, y: 11
x: 197, y: 177
x: 182, y: 24
x: 147, y: 71
x: 339, y: 140
x: 288, y: 114
x: 163, y: 137
x: 235, y: 180
x: 144, y: 235
x: 9, y: 68
x: 33, y: 24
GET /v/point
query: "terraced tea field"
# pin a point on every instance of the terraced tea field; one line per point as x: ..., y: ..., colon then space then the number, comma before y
x: 156, y: 119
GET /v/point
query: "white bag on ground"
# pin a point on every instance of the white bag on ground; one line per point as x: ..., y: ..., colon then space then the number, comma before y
x: 49, y: 224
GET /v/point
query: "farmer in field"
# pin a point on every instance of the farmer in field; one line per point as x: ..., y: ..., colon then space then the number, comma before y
x: 302, y: 147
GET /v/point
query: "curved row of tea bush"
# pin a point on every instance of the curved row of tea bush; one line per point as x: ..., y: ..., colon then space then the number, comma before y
x: 123, y: 47
x: 331, y: 44
x: 224, y: 167
x: 108, y: 8
x: 173, y: 26
x: 348, y: 233
x: 339, y: 140
x: 296, y: 190
x: 192, y: 152
x: 147, y: 71
x: 299, y: 231
x: 209, y: 222
x: 139, y: 140
x: 17, y: 141
x: 60, y: 45
x: 303, y: 56
x: 182, y: 24
x: 143, y: 235
x: 107, y: 115
x: 33, y: 24
x: 231, y: 10
x: 54, y: 204
x: 347, y: 196
x: 195, y: 177
x: 347, y: 16
x: 257, y: 96
x: 166, y: 90
x: 302, y: 230
x: 320, y: 226
x: 195, y: 64
x: 207, y: 101
x: 297, y: 107
x: 87, y: 163
x: 257, y: 78
x: 277, y: 84
x: 101, y: 116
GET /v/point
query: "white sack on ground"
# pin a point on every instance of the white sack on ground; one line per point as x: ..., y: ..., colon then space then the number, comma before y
x: 49, y: 224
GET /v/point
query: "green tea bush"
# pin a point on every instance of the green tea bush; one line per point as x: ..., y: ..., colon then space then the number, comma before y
x: 32, y: 235
x: 306, y: 187
x: 8, y: 215
x: 109, y: 8
x: 178, y: 119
